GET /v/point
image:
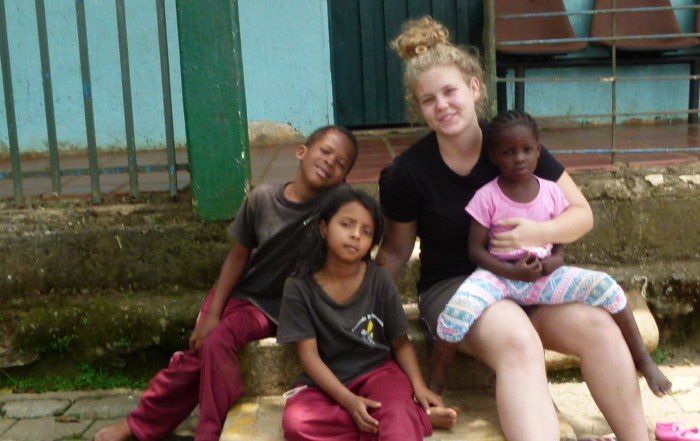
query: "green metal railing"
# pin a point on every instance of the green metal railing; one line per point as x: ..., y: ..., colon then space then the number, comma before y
x: 94, y: 171
x: 693, y: 58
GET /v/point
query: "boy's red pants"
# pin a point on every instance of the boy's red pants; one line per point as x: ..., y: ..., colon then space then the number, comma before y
x: 210, y: 377
x: 311, y: 415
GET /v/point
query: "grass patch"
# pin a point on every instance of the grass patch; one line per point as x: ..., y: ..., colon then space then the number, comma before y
x: 84, y: 377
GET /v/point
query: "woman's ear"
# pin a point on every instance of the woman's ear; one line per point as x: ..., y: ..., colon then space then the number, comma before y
x: 475, y: 86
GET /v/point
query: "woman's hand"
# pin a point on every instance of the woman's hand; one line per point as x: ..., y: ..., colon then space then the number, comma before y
x: 525, y: 233
x: 357, y: 408
x: 202, y: 331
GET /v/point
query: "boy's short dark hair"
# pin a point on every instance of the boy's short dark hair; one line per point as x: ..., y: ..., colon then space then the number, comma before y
x: 321, y: 132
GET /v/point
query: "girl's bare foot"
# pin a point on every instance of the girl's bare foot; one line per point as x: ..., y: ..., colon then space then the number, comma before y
x: 443, y: 417
x: 116, y: 432
x: 657, y: 381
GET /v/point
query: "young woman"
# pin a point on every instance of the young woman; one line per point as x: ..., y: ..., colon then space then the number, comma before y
x: 345, y: 316
x: 530, y: 275
x: 424, y: 192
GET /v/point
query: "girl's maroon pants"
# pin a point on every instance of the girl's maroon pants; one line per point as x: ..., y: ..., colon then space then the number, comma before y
x: 311, y: 415
x: 210, y: 377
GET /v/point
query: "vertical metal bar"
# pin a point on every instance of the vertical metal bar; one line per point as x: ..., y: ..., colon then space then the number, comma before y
x: 54, y: 166
x: 167, y: 101
x: 126, y: 99
x: 694, y: 90
x: 613, y: 120
x: 10, y: 109
x: 87, y: 101
x: 520, y: 88
x: 490, y: 56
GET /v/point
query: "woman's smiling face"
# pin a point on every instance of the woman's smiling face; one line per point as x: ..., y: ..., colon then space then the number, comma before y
x: 446, y: 100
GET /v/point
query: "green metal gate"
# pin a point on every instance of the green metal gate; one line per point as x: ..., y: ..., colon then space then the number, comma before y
x: 367, y: 88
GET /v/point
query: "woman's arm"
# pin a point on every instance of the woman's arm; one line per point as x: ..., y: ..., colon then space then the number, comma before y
x: 406, y: 358
x: 396, y: 249
x: 231, y: 272
x: 568, y: 227
x: 326, y: 380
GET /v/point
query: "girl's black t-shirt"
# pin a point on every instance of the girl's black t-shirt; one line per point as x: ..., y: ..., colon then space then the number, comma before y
x: 418, y: 186
x: 353, y: 338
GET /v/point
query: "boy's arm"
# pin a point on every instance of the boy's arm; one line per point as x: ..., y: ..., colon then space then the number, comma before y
x: 554, y: 261
x: 326, y: 380
x: 524, y: 269
x: 406, y: 357
x: 231, y: 272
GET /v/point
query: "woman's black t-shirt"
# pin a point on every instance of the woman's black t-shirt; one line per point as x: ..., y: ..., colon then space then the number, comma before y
x: 418, y: 186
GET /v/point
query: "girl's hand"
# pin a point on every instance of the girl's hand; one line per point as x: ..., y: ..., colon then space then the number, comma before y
x: 427, y: 398
x: 357, y: 407
x: 527, y: 269
x: 202, y: 331
x: 525, y: 233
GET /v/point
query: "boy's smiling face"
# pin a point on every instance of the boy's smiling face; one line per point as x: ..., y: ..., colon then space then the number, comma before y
x: 325, y: 163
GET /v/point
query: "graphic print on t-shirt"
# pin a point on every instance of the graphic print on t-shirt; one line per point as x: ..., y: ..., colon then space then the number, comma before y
x: 365, y: 327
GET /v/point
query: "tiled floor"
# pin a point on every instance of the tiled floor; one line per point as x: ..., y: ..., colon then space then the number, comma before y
x: 276, y: 163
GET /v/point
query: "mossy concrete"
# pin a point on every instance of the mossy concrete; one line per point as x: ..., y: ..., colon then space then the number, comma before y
x: 98, y: 282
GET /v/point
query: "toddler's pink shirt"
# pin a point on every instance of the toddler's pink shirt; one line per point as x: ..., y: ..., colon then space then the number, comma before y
x: 489, y: 205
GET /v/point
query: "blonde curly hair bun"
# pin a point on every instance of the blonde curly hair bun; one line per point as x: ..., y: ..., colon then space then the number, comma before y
x: 418, y: 36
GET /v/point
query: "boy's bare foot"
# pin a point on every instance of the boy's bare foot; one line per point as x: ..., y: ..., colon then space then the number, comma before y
x: 657, y: 381
x: 116, y: 432
x: 443, y: 417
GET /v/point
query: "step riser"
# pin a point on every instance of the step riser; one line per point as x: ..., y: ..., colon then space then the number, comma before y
x: 269, y: 368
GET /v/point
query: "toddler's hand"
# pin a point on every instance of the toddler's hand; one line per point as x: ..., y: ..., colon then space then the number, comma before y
x: 527, y: 269
x: 551, y: 263
x: 357, y: 407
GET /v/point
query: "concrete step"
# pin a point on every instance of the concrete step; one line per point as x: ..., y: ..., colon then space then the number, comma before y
x: 259, y: 419
x: 269, y: 368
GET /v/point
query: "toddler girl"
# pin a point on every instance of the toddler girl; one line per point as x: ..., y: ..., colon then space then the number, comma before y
x: 532, y: 275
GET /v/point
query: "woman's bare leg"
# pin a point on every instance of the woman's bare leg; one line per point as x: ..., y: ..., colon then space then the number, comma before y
x: 606, y: 364
x: 504, y: 339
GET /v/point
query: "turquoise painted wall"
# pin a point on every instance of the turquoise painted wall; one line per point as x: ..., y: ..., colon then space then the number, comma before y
x: 573, y: 98
x: 286, y: 62
x: 286, y: 59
